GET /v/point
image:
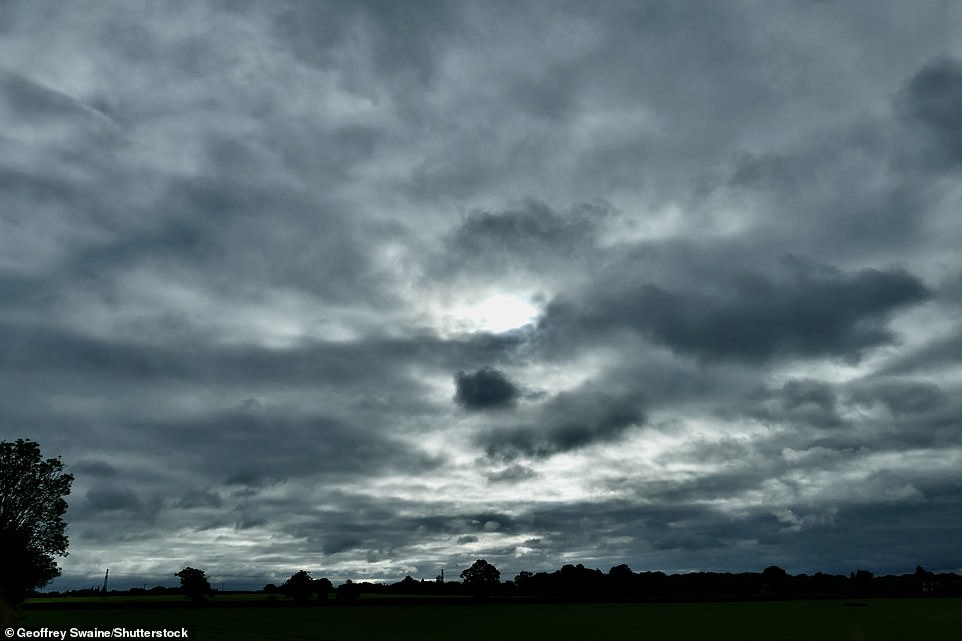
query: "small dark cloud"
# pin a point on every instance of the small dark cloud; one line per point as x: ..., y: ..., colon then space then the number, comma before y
x: 468, y: 538
x: 484, y: 389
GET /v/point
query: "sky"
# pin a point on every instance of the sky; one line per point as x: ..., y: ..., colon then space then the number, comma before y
x: 373, y: 289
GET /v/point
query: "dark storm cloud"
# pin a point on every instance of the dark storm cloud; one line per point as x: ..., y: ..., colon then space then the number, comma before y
x: 798, y: 310
x: 486, y: 388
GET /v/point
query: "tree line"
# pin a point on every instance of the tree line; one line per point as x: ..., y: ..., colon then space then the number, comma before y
x: 578, y: 583
x: 620, y: 582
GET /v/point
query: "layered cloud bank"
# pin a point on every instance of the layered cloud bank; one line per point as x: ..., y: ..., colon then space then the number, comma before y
x: 374, y: 290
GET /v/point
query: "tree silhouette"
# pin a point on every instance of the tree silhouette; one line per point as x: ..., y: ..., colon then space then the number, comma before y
x: 348, y: 591
x: 31, y: 523
x: 621, y: 580
x: 299, y: 587
x: 194, y: 583
x: 862, y: 582
x: 482, y: 578
x: 925, y: 581
x: 774, y: 580
x: 323, y: 587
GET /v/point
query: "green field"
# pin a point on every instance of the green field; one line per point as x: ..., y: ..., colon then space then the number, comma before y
x: 878, y: 620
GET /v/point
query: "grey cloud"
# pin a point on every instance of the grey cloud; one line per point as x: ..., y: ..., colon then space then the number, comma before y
x: 404, y: 42
x: 35, y: 102
x: 906, y: 397
x: 248, y: 522
x: 108, y: 500
x: 567, y: 421
x: 799, y: 310
x: 198, y: 499
x: 799, y: 402
x: 800, y: 393
x: 933, y: 97
x: 297, y: 448
x: 377, y: 363
x: 37, y: 348
x: 250, y: 481
x: 513, y: 473
x: 767, y: 171
x: 931, y: 357
x: 529, y: 236
x: 233, y: 232
x: 484, y: 389
x: 697, y: 536
x: 349, y: 522
x: 718, y: 486
x: 338, y: 545
x: 97, y: 469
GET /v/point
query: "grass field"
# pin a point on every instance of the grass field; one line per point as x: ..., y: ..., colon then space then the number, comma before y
x: 878, y: 620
